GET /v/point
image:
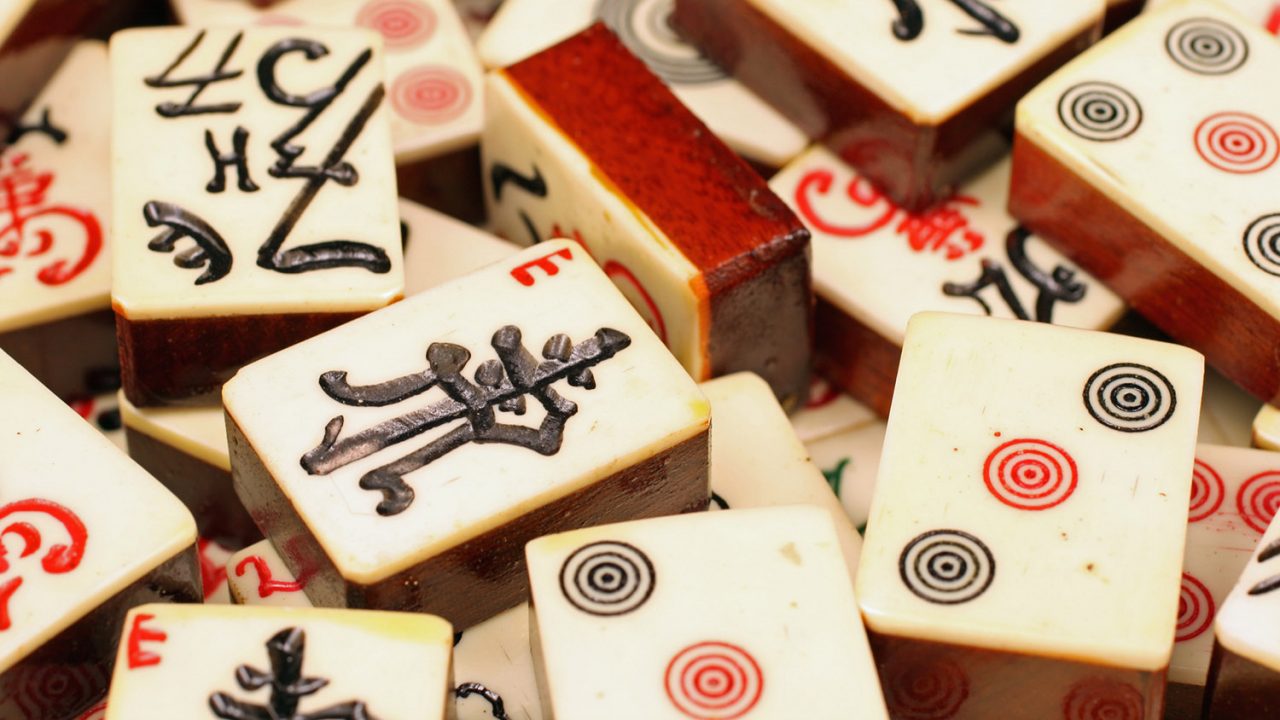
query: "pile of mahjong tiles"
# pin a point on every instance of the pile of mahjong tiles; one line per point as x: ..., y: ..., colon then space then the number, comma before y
x: 639, y: 359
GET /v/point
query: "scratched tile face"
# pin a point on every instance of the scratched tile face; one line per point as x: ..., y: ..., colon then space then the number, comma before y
x: 81, y: 542
x: 1234, y: 496
x: 880, y: 264
x: 55, y: 198
x: 734, y: 614
x: 368, y: 440
x: 237, y: 662
x: 253, y: 173
x: 743, y: 121
x: 433, y: 76
x: 1025, y: 497
x: 929, y: 59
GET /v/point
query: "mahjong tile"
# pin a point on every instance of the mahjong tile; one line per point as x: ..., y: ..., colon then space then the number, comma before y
x: 1265, y: 13
x: 1227, y: 412
x: 257, y: 575
x: 735, y: 114
x: 213, y: 572
x: 827, y: 411
x: 186, y: 449
x: 433, y: 76
x: 757, y: 460
x: 735, y: 614
x: 237, y: 663
x: 438, y: 248
x: 326, y: 453
x: 254, y: 201
x: 1034, y: 484
x: 477, y: 14
x: 1244, y: 678
x: 1266, y: 428
x: 875, y: 265
x: 103, y: 413
x: 1150, y: 161
x: 850, y: 460
x: 55, y: 198
x: 913, y: 93
x: 1234, y: 495
x: 1120, y: 12
x: 692, y: 236
x: 87, y: 535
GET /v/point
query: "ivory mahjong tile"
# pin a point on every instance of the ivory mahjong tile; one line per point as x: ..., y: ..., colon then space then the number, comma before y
x: 257, y: 575
x: 714, y: 261
x: 326, y: 453
x: 1166, y: 202
x: 734, y: 614
x: 438, y: 248
x: 849, y: 461
x: 913, y: 93
x: 827, y: 411
x: 875, y: 265
x: 1034, y: 482
x: 736, y: 115
x: 79, y: 554
x: 254, y: 201
x: 238, y: 662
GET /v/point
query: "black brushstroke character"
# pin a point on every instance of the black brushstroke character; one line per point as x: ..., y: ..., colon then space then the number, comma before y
x: 503, y: 383
x: 496, y: 707
x: 288, y: 687
x: 200, y: 83
x: 501, y: 174
x: 1272, y: 583
x: 1059, y: 285
x: 44, y: 127
x: 910, y: 22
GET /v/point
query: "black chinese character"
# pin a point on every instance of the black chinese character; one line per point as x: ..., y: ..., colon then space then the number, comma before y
x: 1059, y: 285
x: 910, y: 22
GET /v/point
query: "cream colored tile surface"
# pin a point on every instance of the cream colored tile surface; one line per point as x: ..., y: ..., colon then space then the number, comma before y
x: 1199, y: 172
x: 642, y: 404
x: 828, y: 411
x: 1263, y: 12
x: 757, y: 460
x: 736, y: 115
x: 55, y: 198
x: 496, y: 654
x: 439, y: 248
x: 653, y: 274
x: 954, y: 60
x: 342, y: 253
x: 1234, y: 494
x: 1032, y: 492
x: 1227, y: 412
x: 83, y: 541
x: 849, y: 461
x: 881, y: 265
x: 730, y: 614
x: 433, y: 75
x: 257, y: 575
x: 1249, y: 622
x: 213, y: 572
x: 1266, y: 428
x: 186, y: 661
x: 200, y: 432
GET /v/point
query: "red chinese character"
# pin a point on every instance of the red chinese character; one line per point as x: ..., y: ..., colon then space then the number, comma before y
x: 859, y: 190
x: 1273, y: 22
x: 937, y: 230
x: 58, y: 557
x: 30, y: 229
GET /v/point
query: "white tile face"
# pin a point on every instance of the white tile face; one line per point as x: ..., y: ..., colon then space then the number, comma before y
x: 1227, y: 412
x: 103, y: 413
x: 1198, y: 173
x: 736, y: 115
x: 496, y: 654
x: 55, y: 199
x: 1234, y: 495
x: 186, y: 660
x: 439, y: 248
x: 881, y: 265
x: 316, y: 231
x: 433, y: 75
x: 849, y: 461
x: 540, y: 185
x: 642, y: 403
x: 1266, y: 13
x: 1266, y: 428
x: 1249, y: 622
x: 1034, y: 481
x: 952, y: 61
x: 757, y: 460
x: 84, y: 542
x: 200, y: 432
x: 712, y: 615
x: 828, y: 411
x: 257, y: 575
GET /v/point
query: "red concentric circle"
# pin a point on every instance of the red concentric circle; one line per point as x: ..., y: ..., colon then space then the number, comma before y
x: 431, y: 94
x: 1195, y: 609
x: 1237, y: 142
x: 1099, y: 698
x: 923, y: 688
x: 1258, y: 499
x: 1030, y: 474
x: 714, y: 681
x: 1207, y: 491
x: 403, y: 24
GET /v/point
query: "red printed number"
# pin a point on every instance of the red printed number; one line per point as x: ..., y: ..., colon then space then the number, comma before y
x: 138, y: 635
x: 547, y: 264
x: 268, y: 586
x: 29, y: 229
